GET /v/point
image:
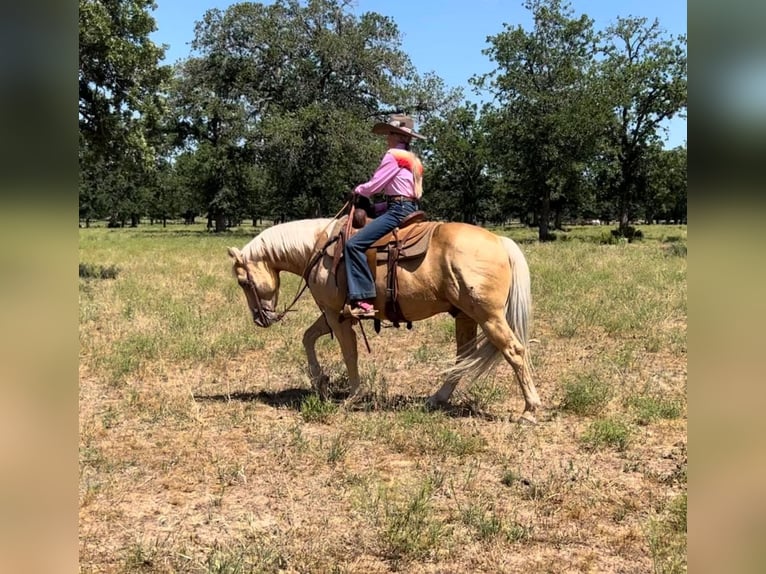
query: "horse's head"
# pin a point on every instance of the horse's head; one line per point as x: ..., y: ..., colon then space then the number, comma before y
x: 260, y: 282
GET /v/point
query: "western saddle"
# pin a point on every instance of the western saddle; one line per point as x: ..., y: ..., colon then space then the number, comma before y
x: 408, y: 241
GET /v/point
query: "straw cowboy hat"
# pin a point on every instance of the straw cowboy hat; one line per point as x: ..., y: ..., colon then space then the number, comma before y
x: 397, y: 124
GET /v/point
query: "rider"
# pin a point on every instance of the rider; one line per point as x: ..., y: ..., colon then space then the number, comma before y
x: 400, y: 177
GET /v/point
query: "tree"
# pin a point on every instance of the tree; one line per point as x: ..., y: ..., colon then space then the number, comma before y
x: 645, y: 78
x: 292, y: 88
x: 457, y: 181
x: 549, y: 114
x: 314, y: 158
x: 120, y: 101
x: 666, y: 184
x: 253, y: 98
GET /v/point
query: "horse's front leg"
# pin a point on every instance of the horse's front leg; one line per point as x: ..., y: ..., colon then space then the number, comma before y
x: 346, y: 336
x: 465, y: 338
x: 319, y: 380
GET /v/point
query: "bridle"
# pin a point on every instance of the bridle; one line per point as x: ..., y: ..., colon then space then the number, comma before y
x: 261, y: 316
x: 266, y: 317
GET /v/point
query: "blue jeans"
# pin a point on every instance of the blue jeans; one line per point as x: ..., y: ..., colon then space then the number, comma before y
x: 358, y: 275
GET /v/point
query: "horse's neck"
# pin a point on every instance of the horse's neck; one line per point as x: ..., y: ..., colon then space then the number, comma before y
x: 295, y: 262
x: 289, y: 246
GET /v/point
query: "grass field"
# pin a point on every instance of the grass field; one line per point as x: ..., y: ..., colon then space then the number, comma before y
x: 203, y: 449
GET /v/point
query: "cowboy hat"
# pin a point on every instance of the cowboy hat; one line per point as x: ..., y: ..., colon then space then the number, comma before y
x: 397, y: 124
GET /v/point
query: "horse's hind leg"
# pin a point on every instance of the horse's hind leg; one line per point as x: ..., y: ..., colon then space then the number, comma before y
x: 501, y: 335
x: 465, y: 338
x: 319, y: 380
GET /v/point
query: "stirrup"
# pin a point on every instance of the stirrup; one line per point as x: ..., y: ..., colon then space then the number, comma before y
x: 358, y: 313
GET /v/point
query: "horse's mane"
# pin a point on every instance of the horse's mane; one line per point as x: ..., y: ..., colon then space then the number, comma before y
x: 285, y: 240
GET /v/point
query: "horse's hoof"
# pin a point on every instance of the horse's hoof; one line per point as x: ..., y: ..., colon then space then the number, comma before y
x: 321, y: 385
x: 433, y: 404
x: 527, y: 419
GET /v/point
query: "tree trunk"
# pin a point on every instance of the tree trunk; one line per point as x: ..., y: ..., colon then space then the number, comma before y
x: 622, y: 210
x: 545, y: 213
x: 220, y: 221
x: 626, y: 184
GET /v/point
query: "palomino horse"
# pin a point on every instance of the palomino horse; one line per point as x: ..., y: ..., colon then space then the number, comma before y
x: 480, y: 278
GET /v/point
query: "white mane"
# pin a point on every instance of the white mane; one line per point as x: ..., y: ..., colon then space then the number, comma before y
x: 286, y: 242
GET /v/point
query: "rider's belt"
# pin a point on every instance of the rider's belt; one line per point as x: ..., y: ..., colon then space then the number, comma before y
x: 400, y: 199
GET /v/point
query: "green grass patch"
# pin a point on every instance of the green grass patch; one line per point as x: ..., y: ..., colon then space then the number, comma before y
x: 608, y: 432
x: 667, y: 538
x: 483, y: 520
x: 407, y: 526
x: 431, y: 433
x: 676, y: 249
x: 242, y: 558
x: 622, y: 290
x: 336, y: 449
x: 316, y: 410
x: 488, y: 524
x: 130, y: 354
x: 586, y: 395
x: 649, y: 408
x: 484, y: 393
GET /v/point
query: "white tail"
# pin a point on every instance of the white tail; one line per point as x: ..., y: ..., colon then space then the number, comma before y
x: 518, y: 310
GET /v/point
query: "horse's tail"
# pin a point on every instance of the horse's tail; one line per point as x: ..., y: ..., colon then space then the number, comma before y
x: 518, y: 308
x: 518, y: 313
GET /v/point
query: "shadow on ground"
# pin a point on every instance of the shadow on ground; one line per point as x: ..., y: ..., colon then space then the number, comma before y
x: 294, y: 398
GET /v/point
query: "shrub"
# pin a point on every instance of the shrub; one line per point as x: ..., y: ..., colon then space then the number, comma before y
x: 676, y: 249
x: 630, y: 233
x: 90, y: 271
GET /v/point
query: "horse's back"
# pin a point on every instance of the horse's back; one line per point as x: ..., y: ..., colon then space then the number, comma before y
x: 463, y: 237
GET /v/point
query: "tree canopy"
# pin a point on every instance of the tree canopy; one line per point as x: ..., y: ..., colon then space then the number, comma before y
x: 269, y: 117
x: 121, y: 86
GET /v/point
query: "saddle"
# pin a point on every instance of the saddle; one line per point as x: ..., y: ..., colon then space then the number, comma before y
x: 408, y: 241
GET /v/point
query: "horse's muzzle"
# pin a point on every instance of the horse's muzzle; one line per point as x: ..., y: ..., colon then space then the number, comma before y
x: 265, y: 319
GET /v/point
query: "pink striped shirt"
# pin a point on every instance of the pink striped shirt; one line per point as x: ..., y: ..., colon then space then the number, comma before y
x: 390, y: 179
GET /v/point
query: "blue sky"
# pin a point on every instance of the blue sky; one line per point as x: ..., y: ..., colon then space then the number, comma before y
x: 445, y: 37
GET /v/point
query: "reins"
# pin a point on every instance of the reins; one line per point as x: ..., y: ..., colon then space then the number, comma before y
x: 315, y: 258
x: 305, y: 277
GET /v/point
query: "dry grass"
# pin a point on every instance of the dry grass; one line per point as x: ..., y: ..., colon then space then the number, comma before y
x: 202, y: 448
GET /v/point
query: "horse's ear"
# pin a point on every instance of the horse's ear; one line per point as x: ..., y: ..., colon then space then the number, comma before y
x: 236, y: 255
